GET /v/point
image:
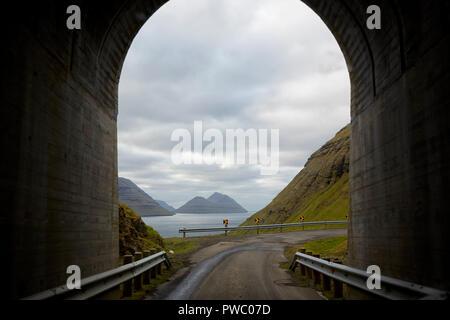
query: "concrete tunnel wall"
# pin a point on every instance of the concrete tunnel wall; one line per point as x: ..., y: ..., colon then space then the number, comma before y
x: 59, y: 136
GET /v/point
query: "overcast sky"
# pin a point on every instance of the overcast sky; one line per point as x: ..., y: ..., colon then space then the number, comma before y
x: 262, y: 64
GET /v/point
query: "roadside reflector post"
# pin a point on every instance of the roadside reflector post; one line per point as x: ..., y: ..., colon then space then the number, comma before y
x: 146, y: 275
x: 128, y: 285
x: 138, y: 278
x: 325, y: 280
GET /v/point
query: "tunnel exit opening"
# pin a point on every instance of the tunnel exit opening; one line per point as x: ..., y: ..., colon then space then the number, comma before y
x: 238, y: 72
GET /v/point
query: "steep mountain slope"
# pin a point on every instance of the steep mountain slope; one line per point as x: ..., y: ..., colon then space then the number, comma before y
x: 165, y: 205
x: 319, y: 192
x: 217, y: 203
x: 134, y: 234
x: 135, y: 198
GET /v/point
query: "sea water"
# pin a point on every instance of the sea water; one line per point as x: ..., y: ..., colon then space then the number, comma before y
x: 169, y: 226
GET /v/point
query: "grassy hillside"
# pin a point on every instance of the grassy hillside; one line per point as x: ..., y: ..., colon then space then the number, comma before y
x: 319, y: 192
x: 134, y: 234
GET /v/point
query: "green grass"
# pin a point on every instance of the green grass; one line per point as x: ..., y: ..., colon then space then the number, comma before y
x: 331, y: 205
x: 134, y: 234
x: 290, y: 229
x: 181, y: 246
x: 332, y: 248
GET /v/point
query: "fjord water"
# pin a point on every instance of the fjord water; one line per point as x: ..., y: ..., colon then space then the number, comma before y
x: 168, y: 226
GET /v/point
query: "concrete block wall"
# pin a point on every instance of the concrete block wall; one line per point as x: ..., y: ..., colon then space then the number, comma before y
x: 59, y: 182
x: 59, y: 112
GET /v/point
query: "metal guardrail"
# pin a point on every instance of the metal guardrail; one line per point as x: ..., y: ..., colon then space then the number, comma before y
x: 392, y: 289
x: 259, y: 227
x: 102, y: 282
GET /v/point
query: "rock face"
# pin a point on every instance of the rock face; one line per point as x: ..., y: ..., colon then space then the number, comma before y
x: 216, y: 203
x: 134, y: 234
x: 165, y: 205
x: 135, y: 198
x: 320, y: 191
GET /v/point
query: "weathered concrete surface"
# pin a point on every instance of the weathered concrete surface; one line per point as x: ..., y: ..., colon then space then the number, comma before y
x: 59, y: 135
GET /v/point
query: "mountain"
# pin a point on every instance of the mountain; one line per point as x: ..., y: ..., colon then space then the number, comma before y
x: 226, y: 204
x: 165, y: 205
x: 319, y: 192
x: 216, y: 203
x: 135, y: 198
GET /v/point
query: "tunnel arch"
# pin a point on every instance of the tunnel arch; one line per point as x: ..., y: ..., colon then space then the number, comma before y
x: 60, y: 105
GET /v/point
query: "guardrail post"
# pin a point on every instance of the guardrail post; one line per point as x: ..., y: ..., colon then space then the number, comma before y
x: 184, y: 235
x: 167, y: 262
x: 316, y: 274
x: 308, y: 270
x: 138, y: 279
x: 159, y: 269
x: 128, y: 285
x: 153, y: 270
x: 326, y: 283
x: 337, y: 285
x: 302, y: 267
x: 146, y: 274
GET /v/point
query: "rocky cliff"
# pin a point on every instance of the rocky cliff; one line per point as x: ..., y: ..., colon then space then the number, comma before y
x: 134, y: 234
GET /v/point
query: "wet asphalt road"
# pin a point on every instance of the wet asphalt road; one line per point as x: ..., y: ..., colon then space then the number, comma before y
x: 243, y: 269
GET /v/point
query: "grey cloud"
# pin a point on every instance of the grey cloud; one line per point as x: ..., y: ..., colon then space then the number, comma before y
x: 232, y: 64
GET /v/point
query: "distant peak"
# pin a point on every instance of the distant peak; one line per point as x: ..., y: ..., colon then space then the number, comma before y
x: 216, y: 203
x: 217, y: 194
